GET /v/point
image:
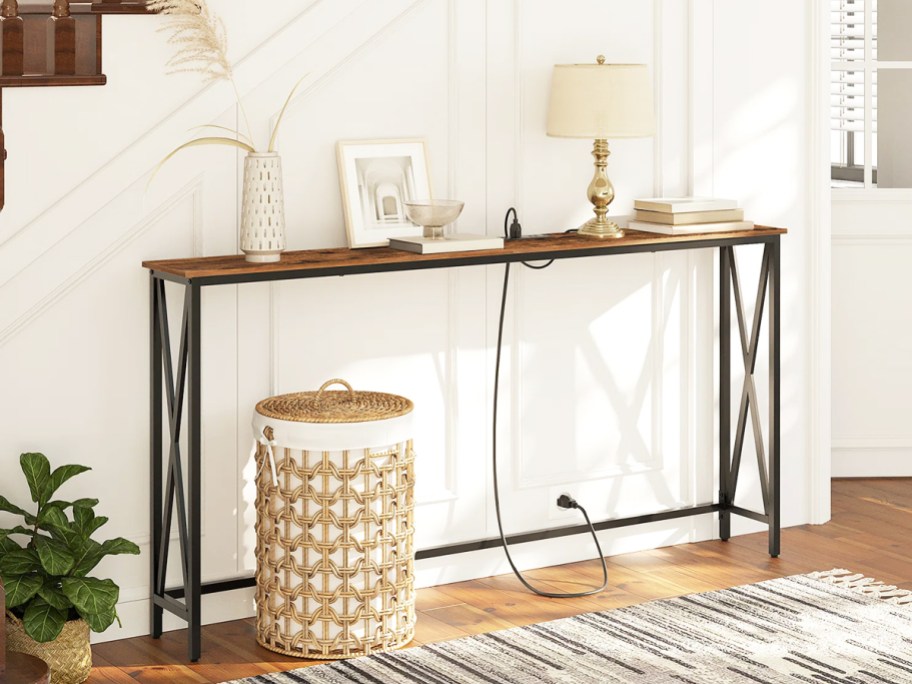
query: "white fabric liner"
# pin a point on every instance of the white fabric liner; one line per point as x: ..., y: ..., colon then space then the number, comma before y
x: 334, y: 436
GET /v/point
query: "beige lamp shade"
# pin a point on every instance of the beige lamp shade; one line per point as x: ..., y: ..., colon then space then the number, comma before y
x: 600, y: 101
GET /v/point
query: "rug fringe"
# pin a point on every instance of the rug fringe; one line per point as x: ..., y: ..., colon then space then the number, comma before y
x: 864, y: 585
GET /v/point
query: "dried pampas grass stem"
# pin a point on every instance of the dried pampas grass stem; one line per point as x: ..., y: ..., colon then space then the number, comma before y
x: 201, y: 46
x: 199, y: 38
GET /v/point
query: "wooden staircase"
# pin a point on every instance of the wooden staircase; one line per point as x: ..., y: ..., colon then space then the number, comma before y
x: 56, y: 43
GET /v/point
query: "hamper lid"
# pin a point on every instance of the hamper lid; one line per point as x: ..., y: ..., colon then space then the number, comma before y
x: 344, y: 406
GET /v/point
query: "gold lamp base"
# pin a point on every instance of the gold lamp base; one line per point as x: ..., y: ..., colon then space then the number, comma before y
x: 601, y: 194
x: 600, y: 229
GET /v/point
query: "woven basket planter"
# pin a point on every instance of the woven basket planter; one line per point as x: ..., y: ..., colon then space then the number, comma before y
x: 69, y: 656
x: 335, y: 505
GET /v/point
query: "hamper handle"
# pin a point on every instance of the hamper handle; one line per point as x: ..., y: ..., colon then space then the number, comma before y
x: 334, y: 381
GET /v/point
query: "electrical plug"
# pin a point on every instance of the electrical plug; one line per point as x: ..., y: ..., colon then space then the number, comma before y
x: 515, y: 229
x: 566, y: 501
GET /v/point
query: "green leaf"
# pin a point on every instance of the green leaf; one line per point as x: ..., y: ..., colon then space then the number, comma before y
x: 87, y: 558
x: 97, y: 522
x: 20, y: 588
x: 18, y: 529
x: 99, y: 622
x: 55, y: 521
x: 82, y: 516
x: 42, y: 621
x: 52, y: 515
x: 87, y: 522
x: 20, y: 562
x: 8, y: 546
x: 65, y: 536
x: 52, y: 593
x: 61, y: 475
x: 55, y: 557
x: 91, y: 596
x: 119, y: 546
x: 37, y: 471
x: 92, y: 552
x: 85, y: 503
x: 8, y: 507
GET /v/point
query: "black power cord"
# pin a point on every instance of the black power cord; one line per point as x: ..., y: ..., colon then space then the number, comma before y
x: 515, y: 233
x: 564, y: 501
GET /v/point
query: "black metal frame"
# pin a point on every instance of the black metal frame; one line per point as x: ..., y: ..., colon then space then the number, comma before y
x: 730, y: 456
x: 168, y: 490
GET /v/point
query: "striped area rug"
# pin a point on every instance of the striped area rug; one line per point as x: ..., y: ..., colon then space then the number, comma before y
x: 829, y: 627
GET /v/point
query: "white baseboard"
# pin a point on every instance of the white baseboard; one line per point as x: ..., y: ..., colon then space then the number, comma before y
x: 872, y: 458
x: 229, y: 605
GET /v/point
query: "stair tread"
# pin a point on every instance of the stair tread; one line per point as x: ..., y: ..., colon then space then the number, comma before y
x: 52, y: 80
x: 89, y: 8
x: 120, y: 8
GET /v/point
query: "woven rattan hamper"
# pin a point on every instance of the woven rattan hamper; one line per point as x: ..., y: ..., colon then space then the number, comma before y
x: 335, y: 505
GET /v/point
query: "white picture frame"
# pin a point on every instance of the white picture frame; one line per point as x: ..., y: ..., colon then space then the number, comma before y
x: 375, y: 178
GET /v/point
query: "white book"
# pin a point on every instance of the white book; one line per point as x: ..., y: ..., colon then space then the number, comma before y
x: 678, y: 205
x: 453, y: 243
x: 668, y: 229
x: 690, y: 216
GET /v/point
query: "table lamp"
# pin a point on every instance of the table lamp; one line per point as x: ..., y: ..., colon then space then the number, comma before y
x: 601, y: 101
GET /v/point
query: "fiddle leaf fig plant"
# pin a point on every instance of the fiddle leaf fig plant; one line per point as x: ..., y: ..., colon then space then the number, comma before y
x: 47, y: 580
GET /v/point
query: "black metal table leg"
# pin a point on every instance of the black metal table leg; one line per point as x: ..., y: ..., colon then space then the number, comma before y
x: 749, y: 409
x: 725, y: 496
x: 194, y: 406
x: 774, y: 397
x: 155, y: 449
x: 178, y: 376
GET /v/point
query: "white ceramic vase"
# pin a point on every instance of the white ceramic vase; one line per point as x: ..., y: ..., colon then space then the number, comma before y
x: 263, y: 208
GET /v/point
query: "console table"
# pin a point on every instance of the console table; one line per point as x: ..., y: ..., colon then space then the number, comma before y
x: 170, y: 381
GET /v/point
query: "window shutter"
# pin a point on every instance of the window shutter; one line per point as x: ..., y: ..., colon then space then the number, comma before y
x: 847, y: 88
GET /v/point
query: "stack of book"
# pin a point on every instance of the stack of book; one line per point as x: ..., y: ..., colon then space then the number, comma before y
x: 682, y: 215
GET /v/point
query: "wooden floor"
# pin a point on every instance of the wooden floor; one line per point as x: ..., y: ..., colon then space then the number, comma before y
x: 869, y: 533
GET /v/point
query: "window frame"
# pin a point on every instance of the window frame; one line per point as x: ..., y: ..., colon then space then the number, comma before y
x: 864, y: 174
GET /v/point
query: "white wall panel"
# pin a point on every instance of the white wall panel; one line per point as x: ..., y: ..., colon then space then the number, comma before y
x: 586, y: 329
x: 872, y: 245
x: 759, y: 158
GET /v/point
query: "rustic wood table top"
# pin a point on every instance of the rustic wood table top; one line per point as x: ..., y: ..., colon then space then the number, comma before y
x: 342, y: 261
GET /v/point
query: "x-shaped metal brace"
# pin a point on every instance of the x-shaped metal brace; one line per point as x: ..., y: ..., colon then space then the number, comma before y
x: 174, y: 395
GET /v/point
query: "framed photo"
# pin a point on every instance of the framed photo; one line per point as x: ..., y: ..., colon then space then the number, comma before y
x: 376, y: 177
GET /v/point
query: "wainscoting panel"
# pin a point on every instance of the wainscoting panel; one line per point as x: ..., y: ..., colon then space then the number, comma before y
x: 759, y: 124
x: 872, y: 351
